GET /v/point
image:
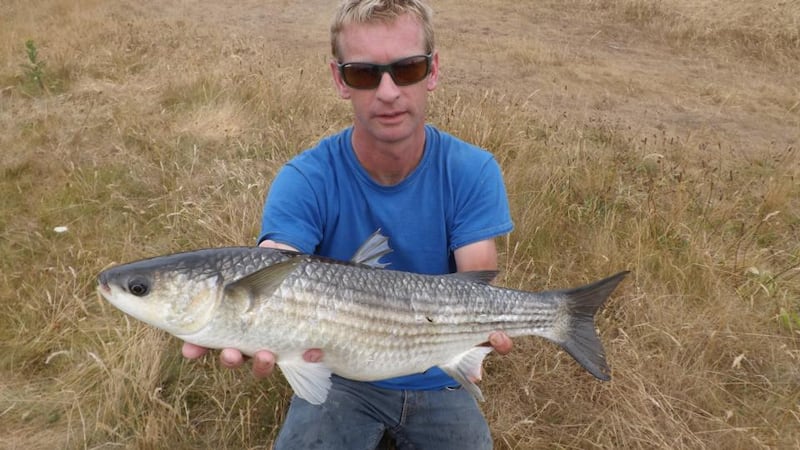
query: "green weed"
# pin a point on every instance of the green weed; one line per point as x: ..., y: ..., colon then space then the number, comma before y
x: 33, y: 75
x: 789, y: 320
x: 38, y: 78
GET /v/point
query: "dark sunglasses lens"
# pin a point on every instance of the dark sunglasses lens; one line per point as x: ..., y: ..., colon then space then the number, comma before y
x: 361, y: 76
x: 368, y: 76
x: 410, y: 71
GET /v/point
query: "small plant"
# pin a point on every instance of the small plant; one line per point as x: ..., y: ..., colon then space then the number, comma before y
x: 34, y: 71
x: 789, y: 320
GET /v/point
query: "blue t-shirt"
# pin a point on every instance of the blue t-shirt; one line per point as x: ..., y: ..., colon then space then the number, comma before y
x: 324, y: 202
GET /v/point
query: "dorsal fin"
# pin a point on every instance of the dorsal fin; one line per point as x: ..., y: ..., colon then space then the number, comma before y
x: 376, y: 246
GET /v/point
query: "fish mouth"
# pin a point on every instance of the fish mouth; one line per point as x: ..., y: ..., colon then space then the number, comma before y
x: 104, y: 290
x: 102, y: 284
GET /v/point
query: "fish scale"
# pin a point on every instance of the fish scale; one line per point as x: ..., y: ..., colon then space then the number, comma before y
x: 370, y: 323
x: 417, y: 306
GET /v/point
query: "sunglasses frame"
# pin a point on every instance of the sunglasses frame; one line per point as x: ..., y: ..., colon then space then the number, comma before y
x: 385, y: 68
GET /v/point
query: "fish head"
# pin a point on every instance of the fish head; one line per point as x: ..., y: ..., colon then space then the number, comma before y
x: 169, y: 293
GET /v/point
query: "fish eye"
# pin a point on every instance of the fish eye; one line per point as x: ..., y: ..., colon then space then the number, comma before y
x: 138, y: 286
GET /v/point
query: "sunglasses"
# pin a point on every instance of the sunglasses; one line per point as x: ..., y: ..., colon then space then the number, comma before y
x: 404, y: 72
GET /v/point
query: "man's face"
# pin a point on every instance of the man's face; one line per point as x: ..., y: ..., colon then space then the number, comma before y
x: 388, y: 113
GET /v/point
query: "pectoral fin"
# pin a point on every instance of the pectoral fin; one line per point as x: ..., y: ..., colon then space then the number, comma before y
x: 310, y: 381
x: 262, y: 283
x: 467, y: 367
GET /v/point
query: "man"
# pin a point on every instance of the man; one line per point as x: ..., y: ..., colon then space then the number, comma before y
x: 440, y: 201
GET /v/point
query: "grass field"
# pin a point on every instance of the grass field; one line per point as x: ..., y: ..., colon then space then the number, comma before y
x: 655, y: 136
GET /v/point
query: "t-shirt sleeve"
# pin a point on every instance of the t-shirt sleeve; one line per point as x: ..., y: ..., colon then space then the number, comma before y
x: 481, y: 207
x: 292, y: 212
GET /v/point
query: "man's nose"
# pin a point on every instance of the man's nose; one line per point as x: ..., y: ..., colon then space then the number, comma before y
x: 387, y: 89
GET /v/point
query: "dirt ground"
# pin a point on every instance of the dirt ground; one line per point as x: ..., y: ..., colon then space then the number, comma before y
x: 589, y: 64
x: 620, y: 72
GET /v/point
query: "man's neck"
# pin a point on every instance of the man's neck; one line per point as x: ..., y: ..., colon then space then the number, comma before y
x: 389, y: 163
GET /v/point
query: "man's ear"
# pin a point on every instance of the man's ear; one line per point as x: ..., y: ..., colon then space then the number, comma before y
x: 338, y: 83
x: 433, y: 77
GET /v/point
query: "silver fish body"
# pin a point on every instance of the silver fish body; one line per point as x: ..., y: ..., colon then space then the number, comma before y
x: 370, y: 323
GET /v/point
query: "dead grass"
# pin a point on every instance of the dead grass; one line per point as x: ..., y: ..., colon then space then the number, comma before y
x: 660, y: 137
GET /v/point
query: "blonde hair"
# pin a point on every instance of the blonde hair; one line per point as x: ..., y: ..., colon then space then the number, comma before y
x: 368, y: 11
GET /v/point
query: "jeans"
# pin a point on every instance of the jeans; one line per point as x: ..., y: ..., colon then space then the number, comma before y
x: 356, y: 415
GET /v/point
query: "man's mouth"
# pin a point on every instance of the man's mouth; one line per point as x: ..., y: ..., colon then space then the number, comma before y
x: 390, y: 115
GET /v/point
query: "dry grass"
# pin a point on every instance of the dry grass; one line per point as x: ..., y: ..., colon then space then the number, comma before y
x: 655, y: 136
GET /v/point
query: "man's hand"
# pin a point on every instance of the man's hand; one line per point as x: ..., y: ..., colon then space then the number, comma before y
x: 501, y: 342
x: 482, y: 255
x: 263, y: 360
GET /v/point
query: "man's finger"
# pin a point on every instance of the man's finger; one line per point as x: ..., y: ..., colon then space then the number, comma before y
x: 313, y: 355
x: 263, y: 364
x: 231, y: 358
x: 192, y: 351
x: 501, y: 342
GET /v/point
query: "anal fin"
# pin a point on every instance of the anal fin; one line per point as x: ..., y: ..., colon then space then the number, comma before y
x: 310, y: 381
x: 466, y: 367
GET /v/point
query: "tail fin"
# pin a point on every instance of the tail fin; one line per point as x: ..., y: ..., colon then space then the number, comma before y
x: 581, y: 340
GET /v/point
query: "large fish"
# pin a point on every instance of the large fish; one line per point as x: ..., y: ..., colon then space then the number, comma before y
x: 370, y: 323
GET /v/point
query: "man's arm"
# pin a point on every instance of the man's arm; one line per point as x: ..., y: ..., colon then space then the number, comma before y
x: 482, y: 255
x: 272, y: 244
